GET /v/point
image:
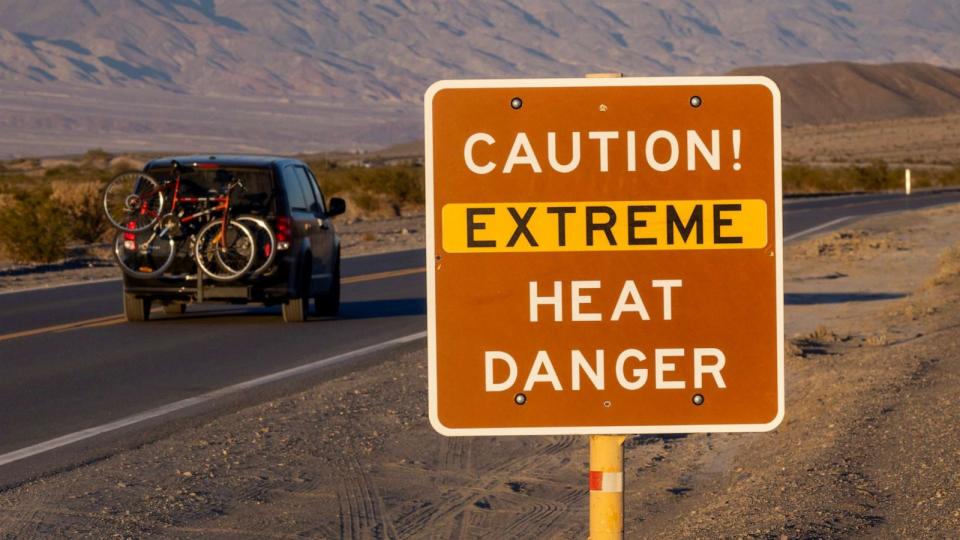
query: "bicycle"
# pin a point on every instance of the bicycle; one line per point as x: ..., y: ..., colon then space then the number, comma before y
x: 264, y: 239
x: 147, y: 242
x: 134, y: 201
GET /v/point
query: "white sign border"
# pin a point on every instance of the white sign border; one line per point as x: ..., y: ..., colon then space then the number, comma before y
x: 431, y: 251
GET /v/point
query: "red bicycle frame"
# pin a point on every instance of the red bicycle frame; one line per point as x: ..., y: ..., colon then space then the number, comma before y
x: 223, y: 203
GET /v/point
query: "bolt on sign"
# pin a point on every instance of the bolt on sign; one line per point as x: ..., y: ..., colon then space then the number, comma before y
x: 604, y: 255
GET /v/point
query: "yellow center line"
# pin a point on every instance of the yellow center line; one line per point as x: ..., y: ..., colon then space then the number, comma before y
x: 383, y: 275
x: 111, y: 320
x: 116, y: 319
x: 56, y: 328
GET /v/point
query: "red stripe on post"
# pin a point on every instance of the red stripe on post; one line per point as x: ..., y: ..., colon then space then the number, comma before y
x: 596, y: 480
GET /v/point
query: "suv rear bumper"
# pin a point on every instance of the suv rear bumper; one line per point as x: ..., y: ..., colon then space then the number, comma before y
x: 269, y: 289
x: 218, y: 292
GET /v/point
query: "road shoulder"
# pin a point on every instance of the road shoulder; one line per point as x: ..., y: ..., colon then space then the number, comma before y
x: 872, y: 366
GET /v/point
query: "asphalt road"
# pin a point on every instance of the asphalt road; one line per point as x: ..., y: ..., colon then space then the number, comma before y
x: 807, y: 215
x: 69, y: 363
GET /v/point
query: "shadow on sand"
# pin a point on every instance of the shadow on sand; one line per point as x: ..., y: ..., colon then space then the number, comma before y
x: 810, y: 299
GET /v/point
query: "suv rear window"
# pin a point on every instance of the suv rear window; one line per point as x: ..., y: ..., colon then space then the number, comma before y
x: 257, y: 196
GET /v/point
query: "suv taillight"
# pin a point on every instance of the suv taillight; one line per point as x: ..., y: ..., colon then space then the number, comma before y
x: 284, y: 226
x: 130, y: 239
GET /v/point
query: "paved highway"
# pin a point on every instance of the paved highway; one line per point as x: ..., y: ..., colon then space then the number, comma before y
x: 808, y: 215
x: 74, y: 373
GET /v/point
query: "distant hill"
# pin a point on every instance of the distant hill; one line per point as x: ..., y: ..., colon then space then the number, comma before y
x: 391, y: 50
x: 297, y: 75
x: 836, y: 92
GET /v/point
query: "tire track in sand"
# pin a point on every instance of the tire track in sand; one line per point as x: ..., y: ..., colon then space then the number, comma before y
x: 362, y: 510
x: 454, y: 515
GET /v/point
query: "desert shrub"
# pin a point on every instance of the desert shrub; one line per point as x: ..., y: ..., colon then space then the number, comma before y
x: 876, y: 176
x: 403, y: 185
x: 77, y: 173
x: 397, y: 186
x: 121, y: 164
x: 97, y: 154
x: 366, y: 201
x: 80, y: 201
x: 942, y: 177
x: 61, y: 171
x: 34, y: 228
x: 15, y: 181
x: 805, y: 179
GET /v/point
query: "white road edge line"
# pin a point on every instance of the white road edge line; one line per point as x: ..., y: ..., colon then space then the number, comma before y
x: 88, y: 433
x: 817, y: 228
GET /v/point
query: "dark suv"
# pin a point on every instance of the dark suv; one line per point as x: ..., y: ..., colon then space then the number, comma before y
x: 285, y: 194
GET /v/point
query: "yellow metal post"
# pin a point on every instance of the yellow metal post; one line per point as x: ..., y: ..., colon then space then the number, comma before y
x: 606, y: 487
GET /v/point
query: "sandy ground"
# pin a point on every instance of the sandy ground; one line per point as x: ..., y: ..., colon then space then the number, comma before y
x: 870, y: 446
x: 929, y: 140
x: 94, y: 262
x: 382, y: 235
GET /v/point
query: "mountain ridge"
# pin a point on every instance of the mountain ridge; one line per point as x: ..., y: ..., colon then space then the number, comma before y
x: 840, y: 92
x: 233, y: 75
x: 389, y: 51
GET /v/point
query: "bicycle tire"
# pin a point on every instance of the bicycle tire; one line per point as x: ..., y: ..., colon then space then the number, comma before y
x: 265, y: 242
x: 149, y: 257
x: 230, y: 262
x: 125, y: 205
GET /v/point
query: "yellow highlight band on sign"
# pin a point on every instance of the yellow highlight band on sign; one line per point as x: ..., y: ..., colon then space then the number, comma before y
x: 604, y: 226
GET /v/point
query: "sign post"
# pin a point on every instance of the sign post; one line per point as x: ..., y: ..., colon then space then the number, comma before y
x: 604, y: 258
x: 606, y: 487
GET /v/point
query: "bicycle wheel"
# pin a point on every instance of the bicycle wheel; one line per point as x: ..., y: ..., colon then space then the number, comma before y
x: 133, y: 201
x: 265, y: 242
x: 225, y: 253
x: 144, y: 254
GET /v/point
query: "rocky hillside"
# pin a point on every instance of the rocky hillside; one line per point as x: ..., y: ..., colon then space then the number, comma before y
x: 837, y: 92
x: 390, y: 50
x: 310, y: 75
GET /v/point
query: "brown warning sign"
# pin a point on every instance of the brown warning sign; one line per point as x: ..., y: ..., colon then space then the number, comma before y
x: 604, y: 255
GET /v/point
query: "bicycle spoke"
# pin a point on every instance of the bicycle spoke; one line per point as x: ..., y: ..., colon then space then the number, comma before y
x: 144, y: 254
x: 132, y: 197
x: 224, y: 253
